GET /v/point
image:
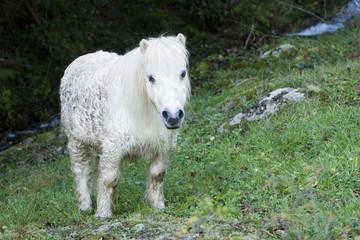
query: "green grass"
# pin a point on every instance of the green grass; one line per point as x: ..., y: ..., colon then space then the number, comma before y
x: 294, y: 175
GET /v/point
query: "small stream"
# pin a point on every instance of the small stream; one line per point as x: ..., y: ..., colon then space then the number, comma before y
x: 8, y: 139
x: 350, y: 10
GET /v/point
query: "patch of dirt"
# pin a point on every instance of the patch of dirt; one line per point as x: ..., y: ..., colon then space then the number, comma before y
x: 159, y: 227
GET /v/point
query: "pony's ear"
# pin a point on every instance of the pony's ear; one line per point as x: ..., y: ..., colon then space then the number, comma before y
x: 143, y: 45
x: 181, y: 38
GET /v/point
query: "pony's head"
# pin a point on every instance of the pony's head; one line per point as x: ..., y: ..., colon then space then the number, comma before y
x: 166, y: 76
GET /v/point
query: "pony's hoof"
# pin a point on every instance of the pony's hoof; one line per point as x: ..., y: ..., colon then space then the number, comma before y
x: 103, y: 216
x: 159, y: 205
x: 86, y: 209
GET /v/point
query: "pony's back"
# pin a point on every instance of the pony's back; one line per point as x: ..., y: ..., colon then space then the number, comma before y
x: 83, y: 94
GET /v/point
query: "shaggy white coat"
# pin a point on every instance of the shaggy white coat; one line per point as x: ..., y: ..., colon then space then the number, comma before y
x: 109, y: 104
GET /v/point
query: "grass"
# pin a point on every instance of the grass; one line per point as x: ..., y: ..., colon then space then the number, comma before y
x: 294, y: 175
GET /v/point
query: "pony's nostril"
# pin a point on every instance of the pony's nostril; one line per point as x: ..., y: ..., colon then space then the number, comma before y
x: 165, y: 114
x: 181, y: 114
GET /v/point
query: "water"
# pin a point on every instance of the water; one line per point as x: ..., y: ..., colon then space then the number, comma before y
x: 347, y: 12
x: 11, y: 138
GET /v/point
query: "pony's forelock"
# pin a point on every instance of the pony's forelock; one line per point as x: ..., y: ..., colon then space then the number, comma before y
x: 165, y: 52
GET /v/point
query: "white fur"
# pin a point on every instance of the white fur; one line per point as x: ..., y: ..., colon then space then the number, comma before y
x: 109, y: 104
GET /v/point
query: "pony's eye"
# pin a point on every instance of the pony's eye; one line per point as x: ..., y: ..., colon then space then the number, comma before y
x: 183, y: 73
x: 151, y: 79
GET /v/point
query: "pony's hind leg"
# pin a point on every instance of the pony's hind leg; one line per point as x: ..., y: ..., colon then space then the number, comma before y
x: 81, y: 166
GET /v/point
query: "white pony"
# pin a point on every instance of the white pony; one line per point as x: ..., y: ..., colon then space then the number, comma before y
x: 124, y: 107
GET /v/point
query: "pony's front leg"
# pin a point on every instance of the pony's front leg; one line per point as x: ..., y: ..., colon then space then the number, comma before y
x: 108, y: 178
x: 154, y: 188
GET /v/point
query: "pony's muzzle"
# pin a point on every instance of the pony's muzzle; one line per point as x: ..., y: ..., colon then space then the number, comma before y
x: 173, y: 120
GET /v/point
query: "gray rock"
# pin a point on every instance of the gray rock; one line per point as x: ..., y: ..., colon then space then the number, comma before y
x: 139, y: 227
x: 268, y: 105
x: 107, y: 227
x: 166, y: 236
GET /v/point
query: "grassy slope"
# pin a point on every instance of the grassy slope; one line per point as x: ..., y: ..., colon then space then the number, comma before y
x: 293, y: 175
